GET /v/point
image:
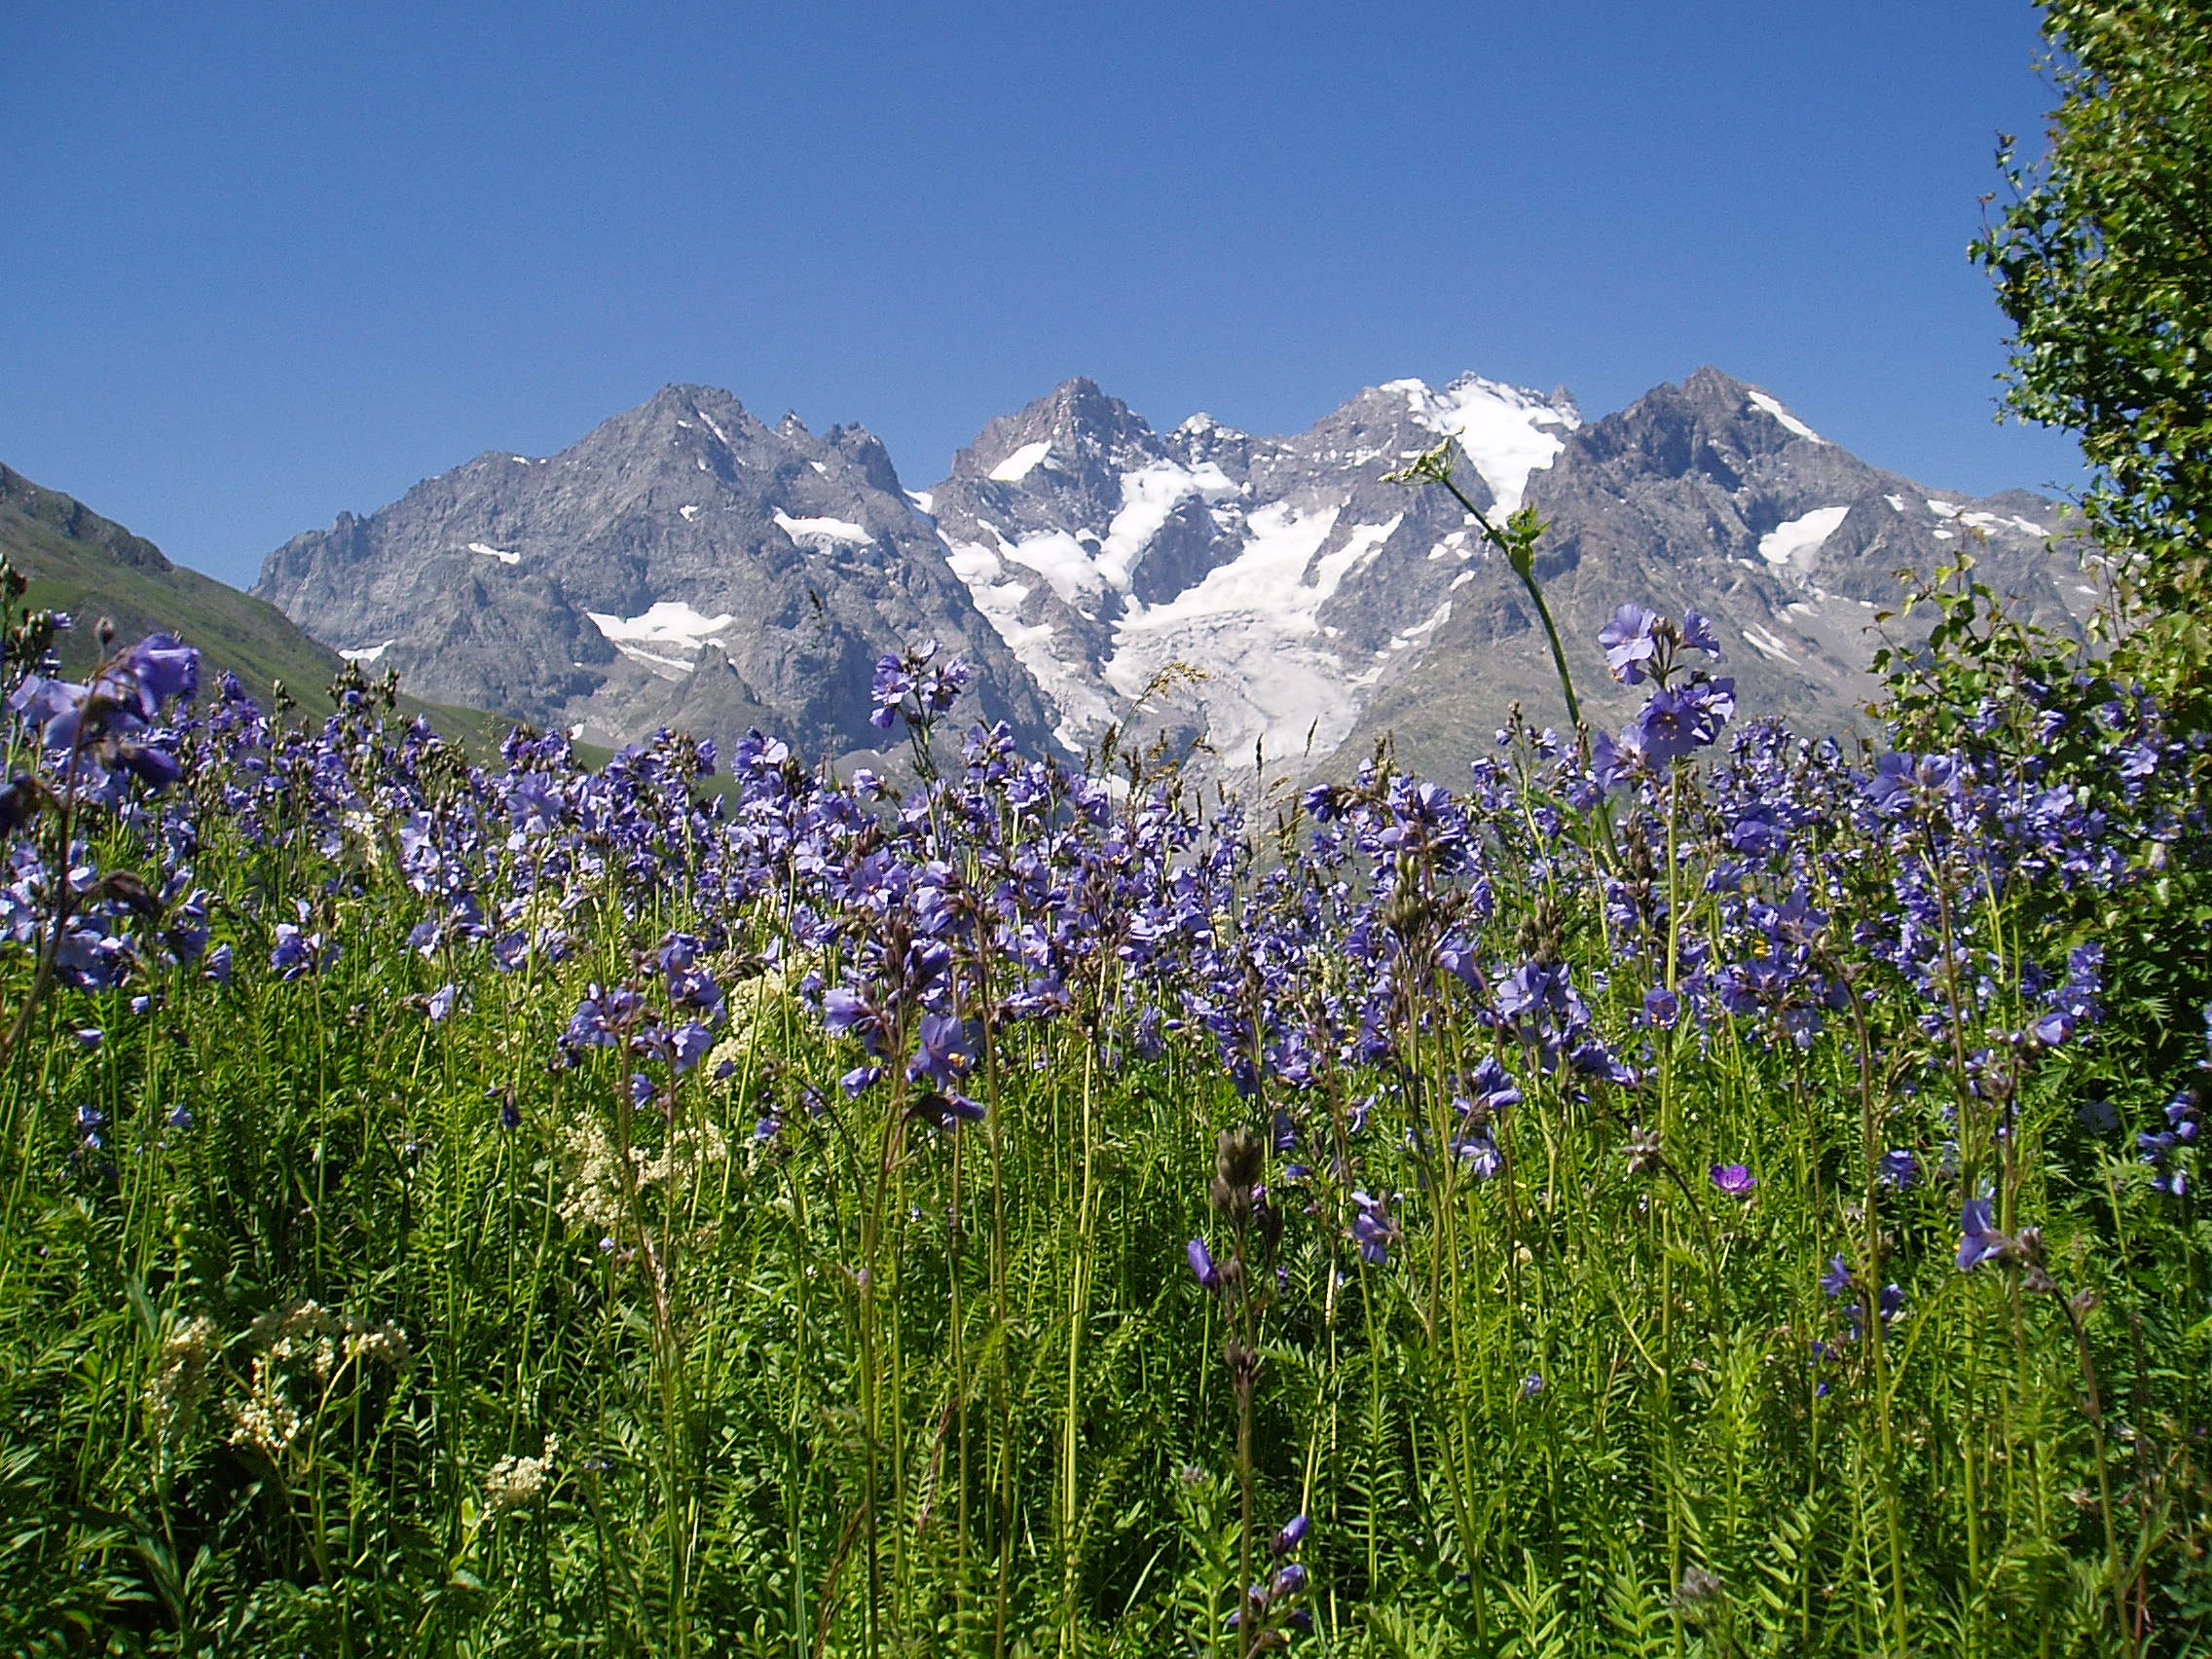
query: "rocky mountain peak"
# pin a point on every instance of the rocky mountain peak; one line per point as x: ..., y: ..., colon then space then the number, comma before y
x: 679, y: 559
x: 684, y: 563
x: 1074, y: 432
x: 1711, y: 425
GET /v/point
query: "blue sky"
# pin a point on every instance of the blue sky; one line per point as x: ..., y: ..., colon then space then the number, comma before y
x: 265, y: 263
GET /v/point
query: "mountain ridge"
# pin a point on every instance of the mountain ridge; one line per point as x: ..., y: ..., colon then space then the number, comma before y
x: 82, y: 563
x: 685, y: 559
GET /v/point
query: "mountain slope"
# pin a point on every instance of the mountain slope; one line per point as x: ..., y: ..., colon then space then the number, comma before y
x: 1323, y: 607
x: 1711, y: 494
x: 680, y: 563
x: 1283, y: 569
x: 1266, y: 605
x: 91, y: 567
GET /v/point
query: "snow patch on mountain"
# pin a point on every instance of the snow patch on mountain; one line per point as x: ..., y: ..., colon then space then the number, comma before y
x: 713, y: 427
x: 1081, y: 705
x: 500, y: 553
x: 1251, y: 627
x: 1149, y: 496
x: 1018, y: 466
x: 666, y: 637
x: 1064, y: 563
x: 1789, y: 422
x: 1507, y: 430
x: 1767, y: 643
x: 1795, y: 541
x: 823, y: 530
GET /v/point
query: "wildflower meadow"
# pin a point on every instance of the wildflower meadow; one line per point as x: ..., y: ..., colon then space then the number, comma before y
x: 1694, y: 1189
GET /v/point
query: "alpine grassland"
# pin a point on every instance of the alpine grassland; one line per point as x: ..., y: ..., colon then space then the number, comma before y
x: 1697, y: 1189
x: 1694, y: 1189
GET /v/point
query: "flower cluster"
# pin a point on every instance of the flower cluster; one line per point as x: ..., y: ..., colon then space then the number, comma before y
x: 2169, y: 1151
x: 1686, y: 708
x: 914, y: 688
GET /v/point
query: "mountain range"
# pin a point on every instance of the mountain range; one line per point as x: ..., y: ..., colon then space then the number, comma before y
x: 1255, y: 602
x: 1260, y: 605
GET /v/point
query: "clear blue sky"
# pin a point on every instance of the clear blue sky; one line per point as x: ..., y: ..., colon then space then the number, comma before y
x: 265, y: 262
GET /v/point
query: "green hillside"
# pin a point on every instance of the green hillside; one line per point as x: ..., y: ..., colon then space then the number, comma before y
x: 92, y: 566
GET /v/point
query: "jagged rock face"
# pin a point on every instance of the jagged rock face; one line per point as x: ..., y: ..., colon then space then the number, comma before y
x: 684, y: 564
x: 1112, y: 558
x: 1266, y: 605
x: 1325, y: 607
x: 1712, y: 495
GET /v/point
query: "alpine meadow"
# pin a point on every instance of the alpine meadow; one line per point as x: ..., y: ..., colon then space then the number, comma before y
x: 1691, y: 1184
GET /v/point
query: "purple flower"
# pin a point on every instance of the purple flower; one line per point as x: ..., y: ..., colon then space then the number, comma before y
x: 162, y: 667
x: 1837, y: 1278
x: 1734, y: 1179
x: 947, y: 1110
x: 1293, y: 1534
x: 51, y: 708
x: 947, y: 1049
x: 690, y: 1044
x: 155, y: 768
x: 1495, y: 1089
x: 1628, y: 643
x: 1897, y: 777
x: 1899, y: 1168
x: 601, y: 1014
x: 1676, y: 722
x: 1480, y: 1153
x: 1979, y: 1241
x: 1611, y: 767
x: 299, y: 952
x: 842, y: 1009
x: 1201, y: 1263
x: 1698, y: 633
x: 1374, y: 1228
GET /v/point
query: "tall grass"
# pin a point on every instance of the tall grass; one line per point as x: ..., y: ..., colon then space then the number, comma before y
x: 529, y: 1210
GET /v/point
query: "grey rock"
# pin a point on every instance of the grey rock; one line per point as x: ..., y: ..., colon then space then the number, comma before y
x: 680, y: 563
x: 1327, y: 609
x: 1266, y: 606
x: 1208, y: 585
x: 1710, y: 495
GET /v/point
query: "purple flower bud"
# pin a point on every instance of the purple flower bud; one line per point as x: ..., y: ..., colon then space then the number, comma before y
x: 1202, y: 1263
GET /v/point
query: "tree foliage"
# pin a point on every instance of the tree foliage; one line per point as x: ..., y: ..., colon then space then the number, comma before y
x: 2103, y: 262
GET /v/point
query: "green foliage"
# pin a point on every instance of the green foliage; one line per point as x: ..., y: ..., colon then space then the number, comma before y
x: 2103, y: 261
x: 314, y: 1354
x: 1988, y: 683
